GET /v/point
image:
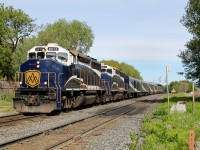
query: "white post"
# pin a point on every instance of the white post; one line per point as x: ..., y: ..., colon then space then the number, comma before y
x: 167, y: 71
x: 193, y: 101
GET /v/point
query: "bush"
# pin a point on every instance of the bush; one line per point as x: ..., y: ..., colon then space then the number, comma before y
x: 172, y: 130
x: 6, y: 97
x: 6, y: 100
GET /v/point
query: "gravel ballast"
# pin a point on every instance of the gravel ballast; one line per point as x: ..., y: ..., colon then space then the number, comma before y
x: 119, y: 137
x: 116, y: 138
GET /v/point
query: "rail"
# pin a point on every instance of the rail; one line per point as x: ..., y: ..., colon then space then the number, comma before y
x: 134, y: 107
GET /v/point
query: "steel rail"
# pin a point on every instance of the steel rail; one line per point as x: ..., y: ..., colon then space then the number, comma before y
x: 7, y: 143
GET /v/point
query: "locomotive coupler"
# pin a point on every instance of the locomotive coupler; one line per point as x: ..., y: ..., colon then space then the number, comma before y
x: 32, y: 100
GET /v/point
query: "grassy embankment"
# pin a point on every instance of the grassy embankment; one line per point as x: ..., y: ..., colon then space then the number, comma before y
x: 170, y: 131
x: 6, y: 103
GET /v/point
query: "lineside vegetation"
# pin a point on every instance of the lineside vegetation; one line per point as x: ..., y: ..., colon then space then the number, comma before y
x: 6, y: 102
x: 170, y: 131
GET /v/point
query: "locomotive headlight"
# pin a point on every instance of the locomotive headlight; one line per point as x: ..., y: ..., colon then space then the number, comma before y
x: 38, y: 66
x: 45, y: 83
x: 38, y: 62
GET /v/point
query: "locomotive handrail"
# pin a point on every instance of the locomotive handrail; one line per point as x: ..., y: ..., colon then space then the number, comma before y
x: 48, y: 73
x: 17, y: 73
x: 20, y: 77
x: 59, y: 78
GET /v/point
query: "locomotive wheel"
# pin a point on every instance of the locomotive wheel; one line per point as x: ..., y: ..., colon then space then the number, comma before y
x: 106, y: 98
x: 98, y: 100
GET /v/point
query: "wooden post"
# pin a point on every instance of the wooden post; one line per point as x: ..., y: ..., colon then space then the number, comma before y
x: 192, y: 136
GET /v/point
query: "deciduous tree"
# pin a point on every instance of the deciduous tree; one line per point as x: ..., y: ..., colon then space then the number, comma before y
x: 75, y: 35
x: 181, y: 86
x: 191, y: 55
x: 14, y: 26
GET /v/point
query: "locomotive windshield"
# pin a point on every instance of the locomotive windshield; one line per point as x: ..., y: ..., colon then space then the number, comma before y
x: 38, y: 55
x: 32, y: 55
x: 51, y: 55
x: 107, y: 70
x: 62, y: 56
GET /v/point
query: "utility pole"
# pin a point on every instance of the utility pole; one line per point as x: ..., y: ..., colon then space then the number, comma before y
x: 167, y: 71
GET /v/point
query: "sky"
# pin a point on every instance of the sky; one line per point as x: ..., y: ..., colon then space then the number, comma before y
x: 146, y: 34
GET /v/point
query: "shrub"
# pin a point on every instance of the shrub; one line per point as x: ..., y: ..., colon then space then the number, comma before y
x: 172, y: 132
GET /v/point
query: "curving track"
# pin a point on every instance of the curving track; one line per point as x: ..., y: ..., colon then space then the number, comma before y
x: 63, y: 136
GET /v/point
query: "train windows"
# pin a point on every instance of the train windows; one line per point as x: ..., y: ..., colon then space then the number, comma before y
x: 51, y: 55
x: 135, y: 84
x: 32, y: 55
x: 40, y: 55
x: 62, y: 56
x: 84, y: 59
x: 118, y: 72
x: 103, y: 70
x: 74, y: 59
x: 96, y: 65
x: 109, y: 71
x: 103, y: 67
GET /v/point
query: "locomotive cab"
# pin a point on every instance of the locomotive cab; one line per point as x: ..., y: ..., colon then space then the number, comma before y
x: 113, y: 79
x: 52, y: 51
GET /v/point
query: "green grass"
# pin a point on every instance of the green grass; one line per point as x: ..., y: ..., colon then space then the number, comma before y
x: 6, y: 109
x: 6, y: 103
x: 171, y: 131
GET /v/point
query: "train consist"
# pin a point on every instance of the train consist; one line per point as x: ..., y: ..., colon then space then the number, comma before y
x: 54, y: 78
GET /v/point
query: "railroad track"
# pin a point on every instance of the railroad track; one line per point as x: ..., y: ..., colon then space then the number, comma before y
x: 63, y: 136
x: 12, y: 120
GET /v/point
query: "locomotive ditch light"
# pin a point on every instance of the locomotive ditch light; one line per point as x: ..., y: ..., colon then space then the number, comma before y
x: 20, y: 82
x: 38, y: 62
x: 38, y: 66
x: 45, y: 83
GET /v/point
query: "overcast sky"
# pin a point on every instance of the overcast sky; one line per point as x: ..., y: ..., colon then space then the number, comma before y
x: 144, y: 33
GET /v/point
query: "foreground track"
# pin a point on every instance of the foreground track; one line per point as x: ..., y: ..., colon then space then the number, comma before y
x: 12, y: 120
x: 62, y: 136
x: 94, y: 124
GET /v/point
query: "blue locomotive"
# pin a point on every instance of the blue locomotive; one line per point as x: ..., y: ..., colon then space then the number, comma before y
x: 54, y: 78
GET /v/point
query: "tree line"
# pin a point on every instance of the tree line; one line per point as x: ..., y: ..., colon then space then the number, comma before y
x: 184, y: 86
x: 16, y: 32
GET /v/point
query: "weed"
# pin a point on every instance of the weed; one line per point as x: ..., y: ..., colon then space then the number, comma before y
x: 172, y: 132
x: 6, y: 97
x: 134, y: 139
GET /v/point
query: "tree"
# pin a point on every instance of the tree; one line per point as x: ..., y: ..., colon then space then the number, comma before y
x: 73, y: 35
x: 14, y: 26
x: 191, y: 55
x: 181, y: 86
x: 126, y: 68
